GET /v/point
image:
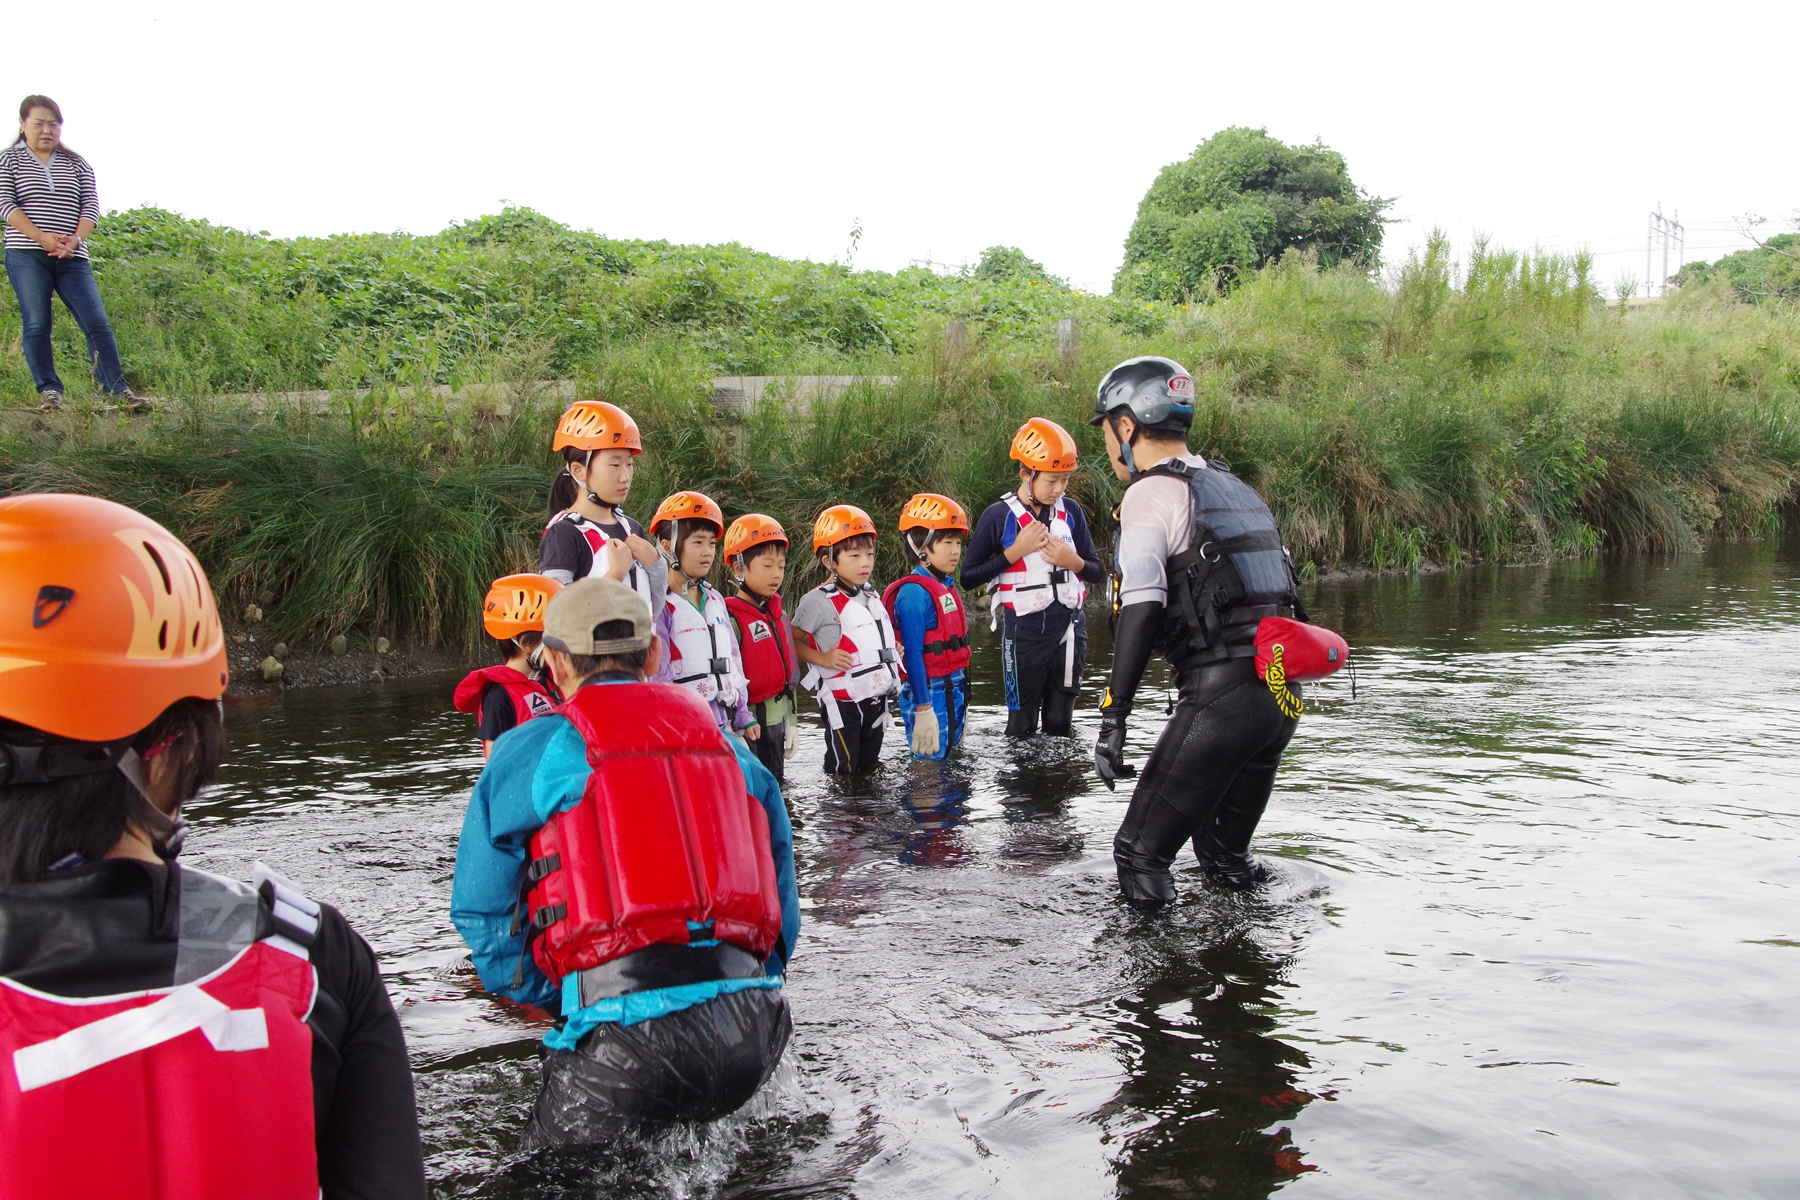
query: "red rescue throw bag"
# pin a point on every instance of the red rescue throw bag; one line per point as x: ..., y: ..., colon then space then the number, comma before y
x: 1307, y: 652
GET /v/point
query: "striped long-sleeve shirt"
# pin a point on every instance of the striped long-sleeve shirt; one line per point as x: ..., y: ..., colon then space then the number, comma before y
x: 55, y: 195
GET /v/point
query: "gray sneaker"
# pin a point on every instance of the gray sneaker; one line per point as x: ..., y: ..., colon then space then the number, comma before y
x: 130, y: 401
x: 49, y: 401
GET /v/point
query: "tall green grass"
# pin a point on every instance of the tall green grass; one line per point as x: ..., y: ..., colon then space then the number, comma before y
x: 1488, y: 409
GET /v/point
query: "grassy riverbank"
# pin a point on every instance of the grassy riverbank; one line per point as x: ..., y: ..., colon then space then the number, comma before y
x: 1489, y: 410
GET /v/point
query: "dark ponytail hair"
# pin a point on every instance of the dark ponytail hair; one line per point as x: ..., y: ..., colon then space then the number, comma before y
x: 563, y: 489
x: 31, y: 102
x: 42, y: 823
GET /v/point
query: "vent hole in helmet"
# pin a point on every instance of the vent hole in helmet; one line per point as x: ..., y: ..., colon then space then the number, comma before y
x: 162, y: 637
x: 168, y: 587
x: 195, y: 640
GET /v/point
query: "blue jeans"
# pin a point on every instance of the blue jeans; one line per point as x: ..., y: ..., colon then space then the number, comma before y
x: 35, y: 276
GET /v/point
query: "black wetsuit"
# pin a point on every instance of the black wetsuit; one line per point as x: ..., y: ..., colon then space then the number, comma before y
x: 110, y: 927
x: 1211, y: 773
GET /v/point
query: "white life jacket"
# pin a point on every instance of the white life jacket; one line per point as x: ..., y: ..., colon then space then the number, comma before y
x: 637, y: 578
x: 1030, y: 584
x: 703, y: 654
x: 868, y: 637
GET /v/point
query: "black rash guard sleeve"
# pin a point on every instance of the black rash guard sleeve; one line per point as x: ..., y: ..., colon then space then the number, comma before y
x: 986, y: 558
x: 498, y: 713
x: 364, y: 1107
x: 564, y: 549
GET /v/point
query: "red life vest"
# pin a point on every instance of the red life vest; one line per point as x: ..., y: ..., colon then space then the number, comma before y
x: 202, y: 1091
x: 530, y: 698
x: 766, y: 645
x: 948, y: 652
x: 666, y: 833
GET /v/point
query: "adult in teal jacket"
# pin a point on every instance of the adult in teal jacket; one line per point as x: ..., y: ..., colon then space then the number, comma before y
x: 668, y: 1048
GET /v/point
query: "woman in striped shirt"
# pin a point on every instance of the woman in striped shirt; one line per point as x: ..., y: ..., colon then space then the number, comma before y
x: 48, y: 202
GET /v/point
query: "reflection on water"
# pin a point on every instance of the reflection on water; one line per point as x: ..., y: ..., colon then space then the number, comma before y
x: 1534, y: 930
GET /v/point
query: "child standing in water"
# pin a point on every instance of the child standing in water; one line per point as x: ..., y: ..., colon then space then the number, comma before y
x: 849, y: 642
x: 589, y: 536
x: 933, y: 626
x: 1035, y: 546
x: 756, y: 554
x: 512, y: 692
x: 692, y: 619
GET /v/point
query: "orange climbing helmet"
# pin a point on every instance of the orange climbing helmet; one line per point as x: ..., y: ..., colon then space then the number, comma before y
x: 839, y: 523
x: 929, y: 510
x: 688, y: 506
x: 515, y: 605
x: 1043, y: 445
x: 750, y: 531
x: 106, y: 619
x: 596, y: 425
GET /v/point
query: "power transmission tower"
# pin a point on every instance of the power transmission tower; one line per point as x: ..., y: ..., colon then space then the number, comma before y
x: 1670, y: 230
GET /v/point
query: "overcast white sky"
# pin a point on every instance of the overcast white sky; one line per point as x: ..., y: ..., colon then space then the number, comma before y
x: 946, y: 127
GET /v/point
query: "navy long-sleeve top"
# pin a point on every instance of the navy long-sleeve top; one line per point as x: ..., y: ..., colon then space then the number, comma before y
x: 986, y: 559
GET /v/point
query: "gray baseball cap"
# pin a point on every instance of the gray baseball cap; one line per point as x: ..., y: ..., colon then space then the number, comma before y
x: 575, y: 612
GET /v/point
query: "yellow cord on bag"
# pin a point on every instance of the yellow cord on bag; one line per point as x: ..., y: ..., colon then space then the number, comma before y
x: 1277, y: 678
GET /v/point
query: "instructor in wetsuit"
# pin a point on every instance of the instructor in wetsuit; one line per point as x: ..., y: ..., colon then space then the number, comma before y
x: 1200, y: 563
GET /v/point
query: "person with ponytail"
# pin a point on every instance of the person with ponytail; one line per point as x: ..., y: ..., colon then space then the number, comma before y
x: 589, y: 536
x: 48, y: 202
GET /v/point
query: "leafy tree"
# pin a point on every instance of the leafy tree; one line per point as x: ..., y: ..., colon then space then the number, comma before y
x: 1010, y: 262
x: 1240, y: 201
x: 1770, y: 271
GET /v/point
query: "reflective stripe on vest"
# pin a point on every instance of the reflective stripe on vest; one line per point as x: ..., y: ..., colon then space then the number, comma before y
x: 868, y: 637
x: 529, y: 697
x: 765, y: 645
x: 702, y: 653
x: 201, y: 1090
x: 666, y: 837
x: 946, y: 648
x: 596, y: 538
x: 1030, y: 584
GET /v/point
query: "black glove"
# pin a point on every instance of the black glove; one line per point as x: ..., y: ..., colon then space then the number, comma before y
x: 1109, y: 749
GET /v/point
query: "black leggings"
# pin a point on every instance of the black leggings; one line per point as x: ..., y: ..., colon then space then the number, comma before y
x: 856, y: 744
x: 1034, y: 667
x: 1207, y: 781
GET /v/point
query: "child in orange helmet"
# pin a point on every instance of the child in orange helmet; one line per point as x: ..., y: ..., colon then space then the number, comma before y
x: 1034, y: 545
x: 932, y: 625
x: 849, y: 641
x: 512, y: 691
x: 589, y: 536
x: 756, y: 549
x: 701, y: 652
x: 172, y: 1032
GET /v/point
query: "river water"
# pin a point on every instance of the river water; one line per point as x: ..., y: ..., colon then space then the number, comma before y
x: 1535, y: 930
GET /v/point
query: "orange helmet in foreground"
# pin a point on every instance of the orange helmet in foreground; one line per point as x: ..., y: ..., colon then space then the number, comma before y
x: 597, y: 425
x: 515, y: 605
x: 750, y: 531
x: 106, y: 619
x: 1043, y: 445
x: 929, y: 510
x: 688, y: 506
x: 839, y: 523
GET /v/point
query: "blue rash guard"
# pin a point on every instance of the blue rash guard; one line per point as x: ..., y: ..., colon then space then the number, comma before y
x: 915, y: 615
x: 535, y: 771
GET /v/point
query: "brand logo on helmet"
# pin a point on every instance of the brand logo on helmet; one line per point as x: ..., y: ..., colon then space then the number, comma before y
x: 51, y: 600
x: 1183, y: 386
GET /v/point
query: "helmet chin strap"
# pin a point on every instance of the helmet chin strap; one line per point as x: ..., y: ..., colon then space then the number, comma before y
x: 1126, y: 458
x: 166, y: 833
x: 587, y: 465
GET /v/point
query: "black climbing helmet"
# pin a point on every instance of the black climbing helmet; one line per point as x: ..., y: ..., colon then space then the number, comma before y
x: 1156, y: 393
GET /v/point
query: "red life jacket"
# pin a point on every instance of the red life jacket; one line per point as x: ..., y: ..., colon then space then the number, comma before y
x: 530, y: 698
x: 766, y: 646
x: 202, y: 1091
x: 948, y: 652
x: 666, y: 833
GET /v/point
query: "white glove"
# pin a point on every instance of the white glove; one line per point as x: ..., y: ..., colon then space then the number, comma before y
x: 792, y: 745
x: 925, y: 731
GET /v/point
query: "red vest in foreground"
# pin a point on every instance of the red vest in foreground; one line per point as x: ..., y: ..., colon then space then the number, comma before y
x: 198, y: 1092
x: 530, y: 698
x: 766, y: 646
x: 666, y: 833
x: 946, y: 646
